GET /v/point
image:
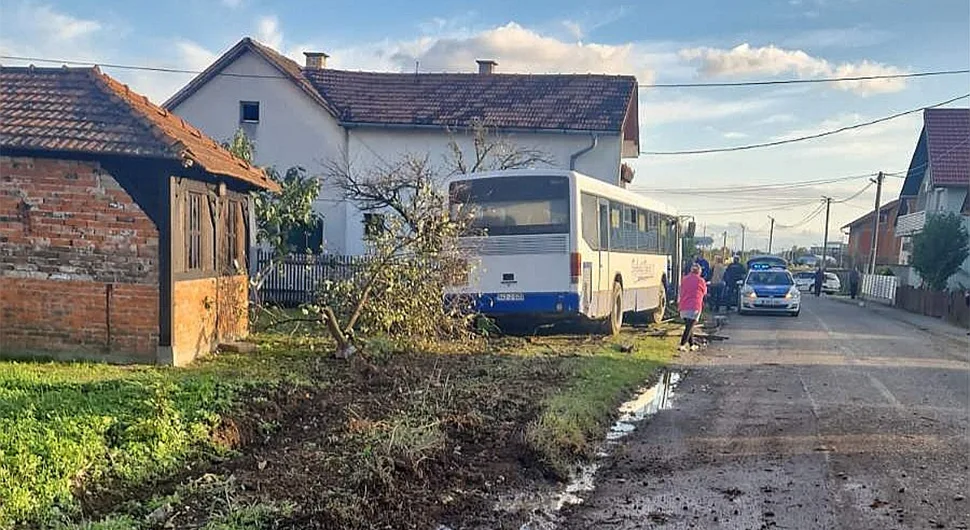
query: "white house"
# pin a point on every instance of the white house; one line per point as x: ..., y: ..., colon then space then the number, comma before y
x: 311, y: 116
x: 938, y: 179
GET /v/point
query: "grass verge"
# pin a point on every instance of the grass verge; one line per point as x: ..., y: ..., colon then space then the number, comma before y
x: 574, y: 419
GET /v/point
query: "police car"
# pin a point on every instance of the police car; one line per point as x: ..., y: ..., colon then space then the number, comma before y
x: 769, y: 289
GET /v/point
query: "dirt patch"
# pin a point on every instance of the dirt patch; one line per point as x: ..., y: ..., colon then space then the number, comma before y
x: 412, y: 442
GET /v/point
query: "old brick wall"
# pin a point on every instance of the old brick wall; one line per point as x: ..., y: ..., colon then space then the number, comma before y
x: 78, y: 262
x: 208, y: 311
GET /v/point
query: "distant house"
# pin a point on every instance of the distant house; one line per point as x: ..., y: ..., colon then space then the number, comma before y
x: 312, y: 116
x: 938, y: 179
x: 860, y: 237
x: 124, y: 231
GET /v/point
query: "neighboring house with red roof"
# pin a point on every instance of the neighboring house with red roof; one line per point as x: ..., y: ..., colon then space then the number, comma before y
x: 313, y: 116
x: 859, y: 248
x: 938, y: 179
x: 125, y: 231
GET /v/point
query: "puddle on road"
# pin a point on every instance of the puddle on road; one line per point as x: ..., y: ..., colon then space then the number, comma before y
x: 544, y: 507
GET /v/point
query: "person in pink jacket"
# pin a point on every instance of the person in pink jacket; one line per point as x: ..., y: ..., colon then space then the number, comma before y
x: 692, y: 291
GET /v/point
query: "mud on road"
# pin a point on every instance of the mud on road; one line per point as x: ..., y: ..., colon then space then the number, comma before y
x: 837, y: 419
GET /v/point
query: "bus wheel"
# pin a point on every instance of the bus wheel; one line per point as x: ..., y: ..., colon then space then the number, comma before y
x: 657, y: 315
x: 613, y: 323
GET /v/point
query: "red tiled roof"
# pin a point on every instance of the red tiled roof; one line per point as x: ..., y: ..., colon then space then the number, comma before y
x: 867, y: 218
x: 583, y: 102
x: 515, y: 101
x: 85, y: 111
x: 948, y: 145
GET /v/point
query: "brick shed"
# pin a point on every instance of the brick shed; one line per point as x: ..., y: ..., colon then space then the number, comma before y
x: 124, y: 231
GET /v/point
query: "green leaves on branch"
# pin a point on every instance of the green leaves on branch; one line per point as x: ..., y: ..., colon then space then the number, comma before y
x: 940, y: 249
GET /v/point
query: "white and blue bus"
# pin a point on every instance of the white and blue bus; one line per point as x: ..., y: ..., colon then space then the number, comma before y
x: 557, y: 244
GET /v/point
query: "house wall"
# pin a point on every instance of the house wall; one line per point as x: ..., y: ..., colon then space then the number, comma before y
x: 210, y: 300
x: 860, y: 240
x: 206, y: 311
x: 79, y: 263
x: 295, y: 130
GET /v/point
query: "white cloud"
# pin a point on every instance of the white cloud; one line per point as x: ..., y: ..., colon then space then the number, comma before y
x: 776, y: 118
x: 232, y: 4
x: 31, y: 29
x: 881, y: 139
x: 521, y: 50
x: 745, y: 60
x: 268, y: 32
x: 194, y: 56
x: 734, y: 135
x: 574, y: 28
x: 691, y: 108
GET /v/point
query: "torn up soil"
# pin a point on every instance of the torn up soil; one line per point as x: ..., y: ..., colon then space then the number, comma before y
x: 411, y: 443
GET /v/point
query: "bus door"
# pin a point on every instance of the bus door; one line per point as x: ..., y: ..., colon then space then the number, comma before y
x: 603, y: 282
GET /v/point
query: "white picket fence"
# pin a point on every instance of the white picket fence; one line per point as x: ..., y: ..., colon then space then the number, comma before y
x: 878, y: 287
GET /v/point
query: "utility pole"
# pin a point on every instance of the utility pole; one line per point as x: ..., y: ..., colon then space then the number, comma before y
x: 724, y: 246
x: 771, y: 233
x: 875, y: 224
x: 742, y: 241
x: 825, y: 241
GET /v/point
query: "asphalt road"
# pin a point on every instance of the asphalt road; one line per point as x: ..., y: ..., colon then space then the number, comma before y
x: 839, y: 419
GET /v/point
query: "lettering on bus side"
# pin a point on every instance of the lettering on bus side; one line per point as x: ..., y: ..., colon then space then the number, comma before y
x: 643, y: 269
x: 587, y: 286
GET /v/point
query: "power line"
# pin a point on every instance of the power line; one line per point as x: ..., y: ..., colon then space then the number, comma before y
x: 856, y: 194
x: 645, y: 85
x: 773, y: 186
x: 753, y: 209
x: 808, y: 218
x: 803, y: 138
x: 804, y: 81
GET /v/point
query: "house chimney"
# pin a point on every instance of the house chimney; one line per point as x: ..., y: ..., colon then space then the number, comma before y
x: 486, y: 66
x: 316, y: 60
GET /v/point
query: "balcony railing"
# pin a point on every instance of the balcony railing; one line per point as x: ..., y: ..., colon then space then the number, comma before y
x: 907, y: 225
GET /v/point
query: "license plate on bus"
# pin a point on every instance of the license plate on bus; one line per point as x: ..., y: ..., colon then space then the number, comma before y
x: 510, y: 297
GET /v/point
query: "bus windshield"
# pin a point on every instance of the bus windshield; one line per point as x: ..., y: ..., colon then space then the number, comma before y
x: 504, y: 206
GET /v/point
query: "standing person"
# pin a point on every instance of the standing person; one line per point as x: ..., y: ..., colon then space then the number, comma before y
x: 819, y: 280
x: 717, y: 281
x: 705, y: 266
x: 692, y: 291
x: 854, y: 282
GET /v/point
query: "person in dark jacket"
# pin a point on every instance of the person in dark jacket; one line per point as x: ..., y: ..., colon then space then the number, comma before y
x: 735, y: 272
x: 819, y: 280
x: 705, y: 267
x: 854, y: 279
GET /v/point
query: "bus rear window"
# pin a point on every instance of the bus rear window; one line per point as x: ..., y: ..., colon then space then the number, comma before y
x: 505, y: 206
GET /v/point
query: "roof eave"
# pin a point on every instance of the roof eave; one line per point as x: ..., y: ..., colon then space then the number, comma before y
x: 379, y: 125
x: 244, y: 45
x: 213, y: 69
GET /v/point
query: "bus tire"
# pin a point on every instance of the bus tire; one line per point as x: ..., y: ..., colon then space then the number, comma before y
x: 613, y: 323
x: 657, y: 315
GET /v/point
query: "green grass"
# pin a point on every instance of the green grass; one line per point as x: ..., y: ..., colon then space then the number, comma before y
x: 68, y: 425
x: 574, y: 419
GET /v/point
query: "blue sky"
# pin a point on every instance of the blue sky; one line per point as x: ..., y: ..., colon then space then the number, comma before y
x: 702, y: 40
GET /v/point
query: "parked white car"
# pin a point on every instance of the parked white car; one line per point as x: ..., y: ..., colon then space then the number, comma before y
x: 805, y: 281
x: 832, y: 284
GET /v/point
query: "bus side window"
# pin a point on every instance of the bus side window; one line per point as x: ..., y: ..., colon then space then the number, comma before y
x: 589, y: 217
x: 604, y: 209
x: 616, y: 233
x: 642, y: 241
